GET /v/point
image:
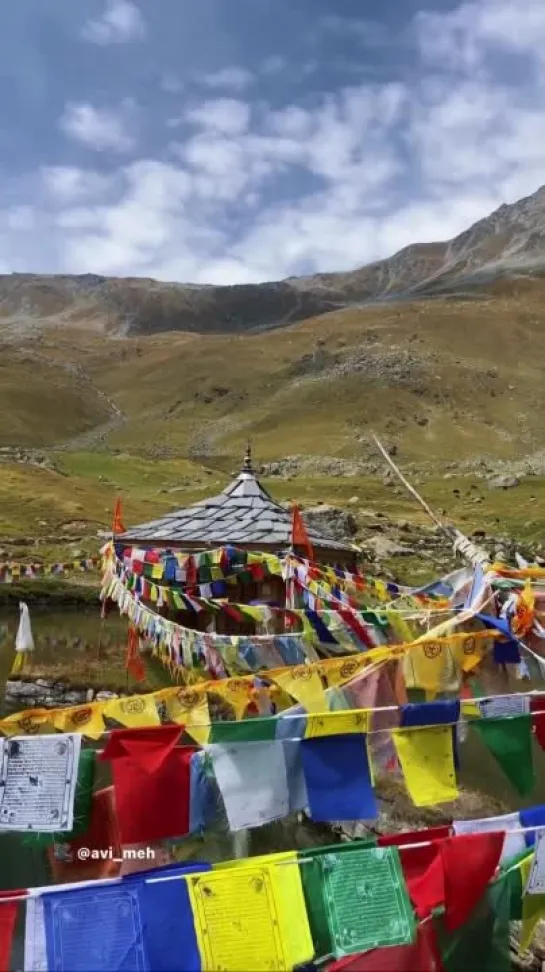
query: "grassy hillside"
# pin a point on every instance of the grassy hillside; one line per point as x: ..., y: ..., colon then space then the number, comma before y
x: 164, y: 420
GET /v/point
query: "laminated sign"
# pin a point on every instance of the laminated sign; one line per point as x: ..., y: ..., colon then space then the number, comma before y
x: 367, y: 903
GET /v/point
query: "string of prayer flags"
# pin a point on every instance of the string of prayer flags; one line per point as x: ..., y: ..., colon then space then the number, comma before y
x: 510, y: 742
x: 509, y: 823
x: 151, y: 780
x: 338, y: 778
x: 427, y: 759
x: 366, y: 900
x: 38, y: 782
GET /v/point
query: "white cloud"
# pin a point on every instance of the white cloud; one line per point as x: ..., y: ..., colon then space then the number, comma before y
x: 120, y: 23
x: 102, y: 129
x: 68, y: 184
x: 233, y: 78
x: 225, y: 115
x: 251, y: 193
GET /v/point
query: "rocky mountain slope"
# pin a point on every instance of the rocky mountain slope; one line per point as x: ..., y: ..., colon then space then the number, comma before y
x: 508, y: 244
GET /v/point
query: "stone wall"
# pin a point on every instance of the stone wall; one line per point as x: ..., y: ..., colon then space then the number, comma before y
x: 50, y: 694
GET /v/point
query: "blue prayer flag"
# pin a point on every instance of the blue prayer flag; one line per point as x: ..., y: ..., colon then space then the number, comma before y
x: 338, y: 779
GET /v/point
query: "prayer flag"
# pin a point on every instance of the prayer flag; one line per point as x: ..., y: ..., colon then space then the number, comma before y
x: 469, y: 863
x: 257, y: 782
x: 236, y: 920
x: 101, y: 840
x: 117, y: 521
x: 427, y: 760
x: 420, y: 956
x: 312, y: 880
x: 299, y: 535
x: 8, y: 917
x: 304, y: 684
x: 510, y: 742
x: 151, y: 780
x: 338, y: 778
x: 95, y: 930
x: 367, y: 904
x: 513, y: 844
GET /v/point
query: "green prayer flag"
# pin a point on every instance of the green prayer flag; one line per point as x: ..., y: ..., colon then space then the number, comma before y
x: 258, y: 729
x: 366, y: 900
x: 509, y: 739
x: 313, y: 889
x: 483, y: 941
x: 82, y: 805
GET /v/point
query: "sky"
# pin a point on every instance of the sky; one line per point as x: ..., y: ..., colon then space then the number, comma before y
x: 235, y: 141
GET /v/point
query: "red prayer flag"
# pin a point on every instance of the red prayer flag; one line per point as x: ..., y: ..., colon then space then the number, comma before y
x: 299, y: 535
x: 537, y: 709
x: 134, y: 663
x: 469, y: 863
x: 102, y: 836
x: 151, y: 781
x: 8, y: 917
x: 117, y: 523
x: 421, y: 956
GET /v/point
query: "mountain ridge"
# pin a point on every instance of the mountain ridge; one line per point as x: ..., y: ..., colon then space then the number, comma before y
x: 507, y: 244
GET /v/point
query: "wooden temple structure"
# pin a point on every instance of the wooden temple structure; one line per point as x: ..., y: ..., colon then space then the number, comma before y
x: 243, y: 517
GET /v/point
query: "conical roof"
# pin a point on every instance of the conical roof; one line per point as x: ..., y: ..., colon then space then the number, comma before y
x: 242, y: 515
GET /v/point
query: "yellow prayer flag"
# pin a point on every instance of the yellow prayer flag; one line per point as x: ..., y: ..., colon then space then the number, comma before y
x: 429, y: 665
x: 304, y: 684
x: 470, y: 651
x: 533, y: 906
x: 285, y: 877
x: 427, y: 760
x: 86, y: 719
x: 337, y: 723
x: 470, y: 709
x: 343, y: 669
x: 236, y: 920
x: 156, y: 571
x: 32, y: 722
x: 189, y: 707
x: 134, y: 711
x: 236, y: 693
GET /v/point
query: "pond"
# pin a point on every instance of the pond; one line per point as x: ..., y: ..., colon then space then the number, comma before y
x: 64, y: 639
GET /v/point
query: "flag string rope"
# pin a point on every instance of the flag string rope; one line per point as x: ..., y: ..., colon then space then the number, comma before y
x: 33, y: 893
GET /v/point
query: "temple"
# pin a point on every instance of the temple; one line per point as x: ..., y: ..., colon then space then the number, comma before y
x: 242, y: 525
x: 244, y: 515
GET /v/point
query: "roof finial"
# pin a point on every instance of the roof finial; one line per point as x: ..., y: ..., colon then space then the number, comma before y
x: 247, y: 464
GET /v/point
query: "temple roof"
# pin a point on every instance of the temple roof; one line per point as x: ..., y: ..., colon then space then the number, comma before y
x: 243, y: 514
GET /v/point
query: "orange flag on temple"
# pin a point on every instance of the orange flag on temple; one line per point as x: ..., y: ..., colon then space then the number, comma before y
x: 117, y: 525
x: 299, y: 535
